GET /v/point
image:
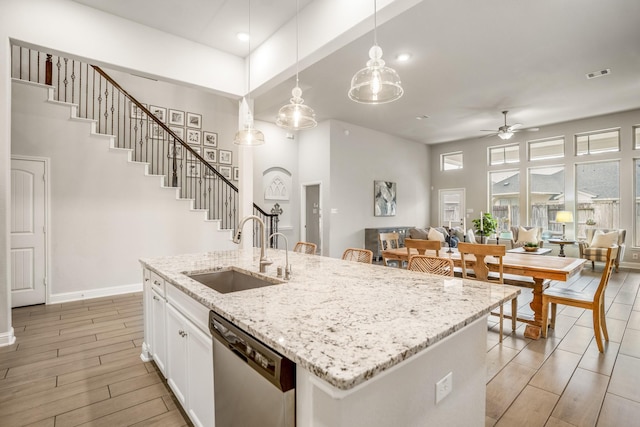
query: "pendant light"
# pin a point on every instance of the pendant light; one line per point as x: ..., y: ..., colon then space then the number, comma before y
x: 249, y: 136
x: 296, y: 115
x: 376, y: 83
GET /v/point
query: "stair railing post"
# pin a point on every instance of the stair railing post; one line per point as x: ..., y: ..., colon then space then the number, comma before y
x: 48, y: 71
x: 174, y: 179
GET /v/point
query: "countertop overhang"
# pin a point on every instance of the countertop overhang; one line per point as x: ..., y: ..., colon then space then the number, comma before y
x: 343, y: 321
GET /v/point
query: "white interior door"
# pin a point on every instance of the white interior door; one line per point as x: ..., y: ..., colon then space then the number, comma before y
x: 28, y: 256
x: 311, y: 215
x: 452, y: 207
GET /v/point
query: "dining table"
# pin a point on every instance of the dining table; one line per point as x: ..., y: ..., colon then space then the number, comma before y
x: 535, y: 272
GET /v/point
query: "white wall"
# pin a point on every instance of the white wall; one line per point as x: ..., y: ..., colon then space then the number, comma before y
x: 105, y: 214
x: 360, y: 156
x: 474, y: 175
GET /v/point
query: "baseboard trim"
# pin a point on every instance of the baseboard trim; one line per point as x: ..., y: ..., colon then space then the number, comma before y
x: 7, y: 338
x: 95, y: 293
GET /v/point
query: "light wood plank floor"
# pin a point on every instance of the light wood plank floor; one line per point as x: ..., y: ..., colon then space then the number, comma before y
x: 78, y: 364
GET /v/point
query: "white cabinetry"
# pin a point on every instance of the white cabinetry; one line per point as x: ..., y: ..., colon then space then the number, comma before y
x: 157, y: 330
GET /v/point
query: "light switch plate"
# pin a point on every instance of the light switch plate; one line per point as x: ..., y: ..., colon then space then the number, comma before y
x: 444, y: 387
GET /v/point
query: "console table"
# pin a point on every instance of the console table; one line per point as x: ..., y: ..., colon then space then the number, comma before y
x: 372, y: 242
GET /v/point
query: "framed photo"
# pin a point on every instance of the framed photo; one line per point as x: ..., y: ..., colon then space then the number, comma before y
x: 236, y: 173
x: 210, y: 138
x: 178, y: 131
x: 156, y: 132
x: 384, y: 198
x: 210, y: 155
x: 193, y: 169
x: 175, y: 151
x: 137, y: 113
x: 225, y: 171
x: 190, y: 156
x: 208, y: 173
x: 194, y: 120
x: 159, y: 112
x: 224, y: 157
x: 193, y: 136
x: 176, y: 117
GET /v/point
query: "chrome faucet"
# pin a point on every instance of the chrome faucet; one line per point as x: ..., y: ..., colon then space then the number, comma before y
x: 264, y: 262
x: 287, y: 267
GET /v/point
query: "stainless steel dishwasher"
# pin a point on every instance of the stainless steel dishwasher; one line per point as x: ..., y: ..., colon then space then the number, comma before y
x: 253, y: 384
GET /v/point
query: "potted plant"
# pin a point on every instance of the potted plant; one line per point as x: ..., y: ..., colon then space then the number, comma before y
x: 530, y: 246
x: 489, y: 224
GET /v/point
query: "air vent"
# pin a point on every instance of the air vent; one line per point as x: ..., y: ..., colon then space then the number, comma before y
x: 600, y: 73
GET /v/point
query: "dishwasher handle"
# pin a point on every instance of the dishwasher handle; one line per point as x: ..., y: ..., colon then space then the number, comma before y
x: 274, y: 367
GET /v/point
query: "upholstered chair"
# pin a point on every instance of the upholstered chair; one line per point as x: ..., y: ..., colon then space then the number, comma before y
x: 594, y: 247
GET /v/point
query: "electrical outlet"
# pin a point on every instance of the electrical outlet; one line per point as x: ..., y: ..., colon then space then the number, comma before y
x: 634, y: 256
x: 444, y: 387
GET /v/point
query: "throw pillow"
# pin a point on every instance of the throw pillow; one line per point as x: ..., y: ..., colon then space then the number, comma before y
x: 418, y: 233
x: 435, y: 235
x: 525, y: 235
x: 604, y: 240
x: 471, y: 237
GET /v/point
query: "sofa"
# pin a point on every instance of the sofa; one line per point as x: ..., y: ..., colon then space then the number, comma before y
x: 429, y: 233
x: 596, y: 249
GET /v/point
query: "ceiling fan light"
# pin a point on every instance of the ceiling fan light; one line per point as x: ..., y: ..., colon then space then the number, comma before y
x: 505, y: 135
x: 296, y: 115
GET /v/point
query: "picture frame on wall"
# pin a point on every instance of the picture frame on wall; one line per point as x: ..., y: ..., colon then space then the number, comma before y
x: 175, y: 151
x: 210, y: 138
x: 193, y: 169
x: 176, y: 117
x: 193, y: 137
x: 155, y: 131
x: 225, y: 171
x: 236, y: 173
x: 190, y: 156
x: 208, y: 173
x: 384, y: 198
x: 224, y: 157
x: 194, y: 120
x: 136, y: 112
x: 159, y: 112
x: 210, y: 155
x: 178, y: 131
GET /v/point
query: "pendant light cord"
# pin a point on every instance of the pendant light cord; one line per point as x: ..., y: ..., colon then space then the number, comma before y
x: 297, y: 40
x: 375, y: 23
x: 249, y: 68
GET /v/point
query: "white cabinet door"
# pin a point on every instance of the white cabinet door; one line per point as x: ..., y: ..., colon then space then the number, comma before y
x: 158, y: 331
x: 200, y: 374
x: 147, y: 345
x: 177, y: 353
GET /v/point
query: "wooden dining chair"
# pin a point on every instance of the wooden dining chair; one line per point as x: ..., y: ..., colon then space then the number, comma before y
x: 389, y: 241
x: 423, y: 245
x: 431, y: 264
x: 358, y: 255
x: 587, y: 299
x: 481, y: 271
x: 305, y: 248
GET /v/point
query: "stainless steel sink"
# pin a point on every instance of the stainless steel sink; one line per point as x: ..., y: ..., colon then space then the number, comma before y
x: 231, y: 281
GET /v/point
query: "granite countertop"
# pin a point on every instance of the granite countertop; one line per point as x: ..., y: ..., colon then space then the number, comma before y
x: 343, y: 321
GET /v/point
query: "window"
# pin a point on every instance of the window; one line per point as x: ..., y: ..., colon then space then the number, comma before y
x: 505, y: 198
x: 636, y: 137
x: 598, y: 142
x: 597, y: 195
x: 450, y: 161
x: 452, y: 207
x: 503, y: 154
x: 543, y: 149
x: 546, y: 197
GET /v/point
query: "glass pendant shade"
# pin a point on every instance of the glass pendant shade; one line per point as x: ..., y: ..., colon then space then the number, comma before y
x: 376, y: 83
x: 296, y: 115
x: 505, y: 135
x: 249, y: 136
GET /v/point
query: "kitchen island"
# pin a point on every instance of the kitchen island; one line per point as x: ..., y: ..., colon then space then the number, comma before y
x: 369, y: 342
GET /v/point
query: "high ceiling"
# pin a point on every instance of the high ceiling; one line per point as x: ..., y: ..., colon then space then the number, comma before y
x: 470, y: 60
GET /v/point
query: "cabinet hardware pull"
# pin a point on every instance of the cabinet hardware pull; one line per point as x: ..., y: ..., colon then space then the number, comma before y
x: 156, y: 298
x: 155, y: 282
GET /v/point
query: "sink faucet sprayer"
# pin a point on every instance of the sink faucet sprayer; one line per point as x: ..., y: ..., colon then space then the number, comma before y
x: 264, y: 262
x: 287, y: 267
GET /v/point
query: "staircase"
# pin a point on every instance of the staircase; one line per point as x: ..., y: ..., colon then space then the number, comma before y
x: 130, y: 126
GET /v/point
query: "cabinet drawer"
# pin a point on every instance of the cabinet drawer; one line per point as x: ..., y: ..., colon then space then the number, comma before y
x: 189, y: 307
x: 157, y: 283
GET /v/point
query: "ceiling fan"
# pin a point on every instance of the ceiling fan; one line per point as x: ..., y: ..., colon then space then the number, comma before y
x: 506, y: 131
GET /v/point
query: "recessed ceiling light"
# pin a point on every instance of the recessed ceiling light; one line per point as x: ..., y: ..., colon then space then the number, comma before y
x: 243, y: 37
x: 402, y: 57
